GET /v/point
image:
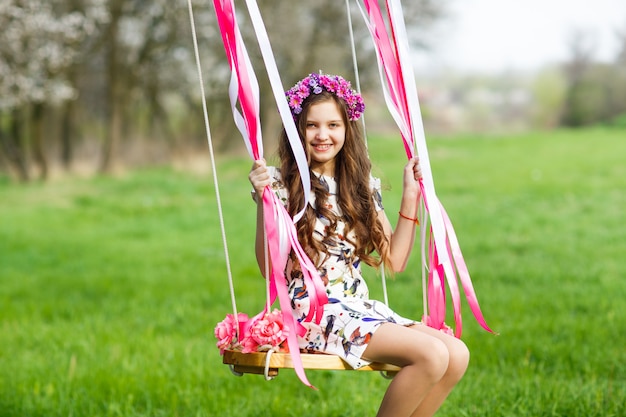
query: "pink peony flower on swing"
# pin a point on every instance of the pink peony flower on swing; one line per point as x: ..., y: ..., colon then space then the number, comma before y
x: 226, y: 331
x: 270, y: 330
x: 248, y: 344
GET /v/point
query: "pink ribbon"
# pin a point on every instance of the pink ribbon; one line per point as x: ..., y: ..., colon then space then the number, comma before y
x: 243, y: 84
x: 279, y: 226
x: 444, y: 253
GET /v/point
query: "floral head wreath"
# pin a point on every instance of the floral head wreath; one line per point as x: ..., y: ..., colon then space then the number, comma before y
x: 334, y: 84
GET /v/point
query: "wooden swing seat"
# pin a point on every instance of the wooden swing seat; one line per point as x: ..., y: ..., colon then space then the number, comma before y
x: 254, y: 363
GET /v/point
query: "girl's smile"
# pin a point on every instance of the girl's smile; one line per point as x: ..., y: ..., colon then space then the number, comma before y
x: 325, y: 136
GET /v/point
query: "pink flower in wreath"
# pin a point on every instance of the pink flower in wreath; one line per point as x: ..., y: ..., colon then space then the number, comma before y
x: 269, y: 330
x: 226, y: 331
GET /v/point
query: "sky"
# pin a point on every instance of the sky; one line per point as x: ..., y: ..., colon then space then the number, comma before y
x: 499, y: 35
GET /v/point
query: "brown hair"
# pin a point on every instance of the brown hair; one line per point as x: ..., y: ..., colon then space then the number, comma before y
x: 354, y: 194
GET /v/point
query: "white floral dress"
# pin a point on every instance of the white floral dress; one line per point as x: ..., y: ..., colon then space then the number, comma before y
x: 350, y: 317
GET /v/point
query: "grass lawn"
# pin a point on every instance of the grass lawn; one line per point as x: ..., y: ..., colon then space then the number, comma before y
x: 110, y: 286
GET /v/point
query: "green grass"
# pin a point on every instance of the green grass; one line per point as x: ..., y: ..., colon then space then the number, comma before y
x: 110, y: 287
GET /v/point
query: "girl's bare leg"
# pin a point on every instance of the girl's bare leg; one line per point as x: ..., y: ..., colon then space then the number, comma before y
x: 432, y: 364
x: 457, y: 365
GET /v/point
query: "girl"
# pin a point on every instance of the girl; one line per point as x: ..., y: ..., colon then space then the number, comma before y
x: 344, y: 224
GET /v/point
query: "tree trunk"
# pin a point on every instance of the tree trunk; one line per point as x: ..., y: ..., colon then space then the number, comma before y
x: 113, y: 132
x: 159, y: 126
x: 68, y: 120
x: 67, y: 133
x: 10, y: 145
x: 38, y: 152
x: 114, y: 104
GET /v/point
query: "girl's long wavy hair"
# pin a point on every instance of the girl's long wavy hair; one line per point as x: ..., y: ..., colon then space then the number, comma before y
x: 354, y: 194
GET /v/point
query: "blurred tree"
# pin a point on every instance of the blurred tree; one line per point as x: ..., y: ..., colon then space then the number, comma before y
x: 619, y: 92
x: 575, y: 111
x: 548, y: 90
x: 620, y: 34
x: 116, y: 73
x: 147, y: 51
x: 595, y: 91
x: 36, y: 47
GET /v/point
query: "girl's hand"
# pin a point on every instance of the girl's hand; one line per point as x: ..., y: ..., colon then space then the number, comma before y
x: 412, y: 175
x: 259, y: 176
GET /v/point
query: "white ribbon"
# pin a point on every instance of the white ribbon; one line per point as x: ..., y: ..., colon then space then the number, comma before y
x: 281, y: 101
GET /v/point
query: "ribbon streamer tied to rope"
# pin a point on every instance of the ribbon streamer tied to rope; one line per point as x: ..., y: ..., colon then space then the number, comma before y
x: 279, y: 226
x: 444, y: 258
x: 400, y: 92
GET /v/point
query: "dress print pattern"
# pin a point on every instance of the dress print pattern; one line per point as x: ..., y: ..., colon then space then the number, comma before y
x: 350, y: 317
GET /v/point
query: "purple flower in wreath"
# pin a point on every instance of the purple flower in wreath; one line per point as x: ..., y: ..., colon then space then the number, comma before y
x: 335, y: 84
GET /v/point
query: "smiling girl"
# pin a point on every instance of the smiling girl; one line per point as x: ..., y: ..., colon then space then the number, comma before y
x: 345, y: 224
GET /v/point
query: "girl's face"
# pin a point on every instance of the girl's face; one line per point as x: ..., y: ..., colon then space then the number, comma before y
x: 325, y: 136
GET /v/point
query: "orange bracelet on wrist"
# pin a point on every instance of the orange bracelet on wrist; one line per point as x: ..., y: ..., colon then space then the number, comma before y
x: 416, y: 221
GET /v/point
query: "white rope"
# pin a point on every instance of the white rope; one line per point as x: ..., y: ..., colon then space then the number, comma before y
x: 232, y: 370
x: 423, y: 230
x: 211, y: 152
x: 283, y: 107
x: 268, y: 356
x: 388, y: 374
x: 267, y: 269
x: 355, y: 64
x: 384, y: 284
x: 358, y: 88
x: 419, y: 147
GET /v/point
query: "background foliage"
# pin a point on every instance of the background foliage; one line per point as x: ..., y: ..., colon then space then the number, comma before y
x: 110, y: 286
x: 92, y: 85
x: 118, y: 78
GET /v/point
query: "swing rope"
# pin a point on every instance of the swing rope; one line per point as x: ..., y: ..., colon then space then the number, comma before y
x: 283, y: 227
x: 278, y: 224
x: 444, y: 259
x: 357, y: 82
x: 443, y: 253
x: 205, y: 114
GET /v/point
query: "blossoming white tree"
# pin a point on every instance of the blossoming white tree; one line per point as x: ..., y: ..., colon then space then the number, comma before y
x: 39, y: 42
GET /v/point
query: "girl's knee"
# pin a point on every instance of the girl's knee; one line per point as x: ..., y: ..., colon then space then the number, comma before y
x: 445, y: 361
x: 434, y: 360
x: 459, y: 360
